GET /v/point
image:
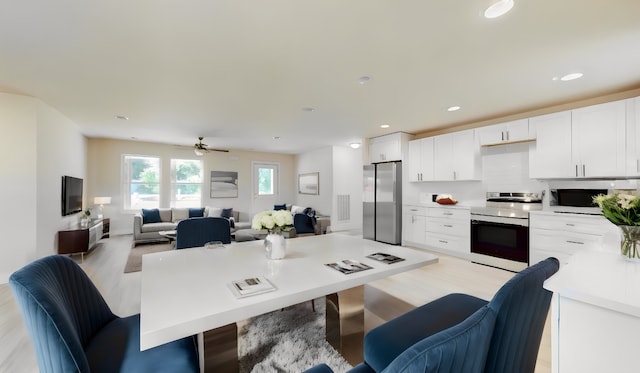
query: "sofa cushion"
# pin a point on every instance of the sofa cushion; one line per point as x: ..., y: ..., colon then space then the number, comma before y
x: 157, y: 227
x: 196, y: 212
x: 178, y: 214
x: 280, y: 207
x: 297, y: 209
x: 227, y: 213
x: 215, y: 212
x: 150, y: 216
x: 165, y: 214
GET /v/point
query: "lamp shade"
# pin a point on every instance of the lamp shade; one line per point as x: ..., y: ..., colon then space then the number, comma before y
x: 102, y: 200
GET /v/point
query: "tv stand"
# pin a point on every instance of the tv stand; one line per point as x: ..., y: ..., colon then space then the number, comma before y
x: 79, y: 239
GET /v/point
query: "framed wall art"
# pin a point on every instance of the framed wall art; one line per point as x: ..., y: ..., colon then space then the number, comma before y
x: 309, y: 183
x: 224, y: 184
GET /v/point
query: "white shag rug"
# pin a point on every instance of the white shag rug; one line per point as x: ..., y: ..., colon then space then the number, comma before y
x: 290, y: 340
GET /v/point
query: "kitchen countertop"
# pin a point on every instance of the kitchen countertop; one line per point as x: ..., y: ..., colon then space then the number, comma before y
x: 603, y: 279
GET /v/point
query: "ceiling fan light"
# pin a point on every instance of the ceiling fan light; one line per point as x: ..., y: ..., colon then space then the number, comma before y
x: 498, y: 9
x: 355, y: 145
x: 198, y: 152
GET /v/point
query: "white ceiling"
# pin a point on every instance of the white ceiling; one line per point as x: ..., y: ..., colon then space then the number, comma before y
x: 240, y: 72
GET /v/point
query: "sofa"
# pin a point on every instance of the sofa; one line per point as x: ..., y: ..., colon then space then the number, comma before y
x: 145, y: 231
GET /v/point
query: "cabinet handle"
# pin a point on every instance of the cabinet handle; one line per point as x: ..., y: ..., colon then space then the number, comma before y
x: 502, y: 133
x: 570, y: 225
x: 637, y: 165
x: 584, y: 172
x: 447, y: 213
x: 576, y: 170
x: 507, y: 135
x: 576, y: 242
x: 454, y: 175
x: 442, y: 241
x: 448, y: 226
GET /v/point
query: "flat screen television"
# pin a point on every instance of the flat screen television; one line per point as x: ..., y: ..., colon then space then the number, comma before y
x: 71, y: 195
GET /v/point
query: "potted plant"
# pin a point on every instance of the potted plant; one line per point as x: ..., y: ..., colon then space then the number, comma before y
x: 623, y: 210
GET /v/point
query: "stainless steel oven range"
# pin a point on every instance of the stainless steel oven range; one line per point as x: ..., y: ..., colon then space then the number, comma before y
x: 500, y: 231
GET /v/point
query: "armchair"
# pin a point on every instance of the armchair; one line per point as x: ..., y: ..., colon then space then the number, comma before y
x: 443, y: 326
x: 73, y: 329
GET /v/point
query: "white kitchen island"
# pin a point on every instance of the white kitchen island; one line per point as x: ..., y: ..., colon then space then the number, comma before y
x: 596, y: 314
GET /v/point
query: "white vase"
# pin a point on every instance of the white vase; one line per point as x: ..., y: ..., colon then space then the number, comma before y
x: 275, y: 246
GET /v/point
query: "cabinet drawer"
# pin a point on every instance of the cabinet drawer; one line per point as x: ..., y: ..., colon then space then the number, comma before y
x: 447, y: 242
x: 414, y: 210
x: 451, y: 213
x: 454, y: 227
x: 589, y: 225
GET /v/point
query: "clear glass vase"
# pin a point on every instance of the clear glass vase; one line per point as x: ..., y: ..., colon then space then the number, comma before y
x: 630, y: 239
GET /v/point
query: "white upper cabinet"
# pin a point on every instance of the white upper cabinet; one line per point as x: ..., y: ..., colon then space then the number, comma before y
x: 598, y: 140
x: 456, y: 156
x: 551, y: 157
x: 581, y: 143
x: 421, y: 159
x: 388, y: 148
x: 504, y: 133
x: 633, y: 137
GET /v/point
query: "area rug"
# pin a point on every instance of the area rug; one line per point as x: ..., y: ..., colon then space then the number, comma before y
x: 291, y: 340
x: 134, y: 261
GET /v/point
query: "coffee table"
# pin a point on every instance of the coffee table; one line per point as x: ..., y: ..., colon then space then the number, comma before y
x: 187, y: 292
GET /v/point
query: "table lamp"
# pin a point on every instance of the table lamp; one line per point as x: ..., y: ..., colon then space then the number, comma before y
x: 101, y: 201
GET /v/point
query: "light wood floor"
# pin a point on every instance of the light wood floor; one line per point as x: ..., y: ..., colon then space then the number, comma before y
x: 385, y: 298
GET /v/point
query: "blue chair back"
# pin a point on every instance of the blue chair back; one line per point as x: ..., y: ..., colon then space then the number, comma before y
x: 195, y: 232
x: 461, y: 348
x: 522, y: 305
x: 62, y: 310
x: 303, y: 223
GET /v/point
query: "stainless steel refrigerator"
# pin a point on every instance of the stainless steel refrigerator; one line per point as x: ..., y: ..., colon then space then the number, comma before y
x: 382, y: 202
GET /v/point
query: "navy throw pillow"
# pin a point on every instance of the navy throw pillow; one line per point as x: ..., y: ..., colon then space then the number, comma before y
x: 280, y: 207
x: 227, y: 213
x: 196, y: 212
x: 151, y: 216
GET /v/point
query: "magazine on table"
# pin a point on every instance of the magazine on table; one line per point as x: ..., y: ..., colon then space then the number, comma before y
x: 348, y: 266
x: 385, y: 258
x: 251, y: 286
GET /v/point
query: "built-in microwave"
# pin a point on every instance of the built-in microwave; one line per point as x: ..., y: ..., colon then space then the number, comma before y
x: 575, y: 197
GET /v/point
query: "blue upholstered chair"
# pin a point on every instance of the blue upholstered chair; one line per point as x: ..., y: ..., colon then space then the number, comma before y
x: 304, y: 224
x: 406, y: 343
x: 73, y: 329
x: 195, y: 232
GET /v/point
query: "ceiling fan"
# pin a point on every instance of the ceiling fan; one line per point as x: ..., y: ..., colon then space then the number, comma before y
x: 200, y: 148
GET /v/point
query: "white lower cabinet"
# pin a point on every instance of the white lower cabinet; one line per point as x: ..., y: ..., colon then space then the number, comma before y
x: 449, y: 230
x: 413, y: 225
x: 563, y: 235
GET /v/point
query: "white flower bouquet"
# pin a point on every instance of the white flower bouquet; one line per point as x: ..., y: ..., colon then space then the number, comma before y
x: 273, y: 221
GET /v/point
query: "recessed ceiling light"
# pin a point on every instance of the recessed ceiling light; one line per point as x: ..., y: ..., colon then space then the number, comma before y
x: 308, y: 109
x: 453, y: 108
x: 498, y: 9
x: 355, y: 145
x: 363, y: 79
x: 571, y: 76
x: 385, y: 126
x: 121, y: 117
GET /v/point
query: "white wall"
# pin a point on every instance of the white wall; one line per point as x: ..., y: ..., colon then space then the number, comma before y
x: 340, y: 171
x: 37, y: 146
x: 347, y: 180
x: 321, y: 161
x: 105, y: 179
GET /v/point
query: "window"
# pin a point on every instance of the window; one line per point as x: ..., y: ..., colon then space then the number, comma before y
x: 265, y: 179
x: 186, y: 183
x: 141, y: 176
